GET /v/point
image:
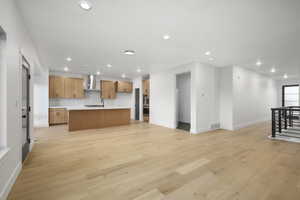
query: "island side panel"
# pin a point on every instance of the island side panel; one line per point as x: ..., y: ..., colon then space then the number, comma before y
x: 100, y: 118
x: 116, y: 117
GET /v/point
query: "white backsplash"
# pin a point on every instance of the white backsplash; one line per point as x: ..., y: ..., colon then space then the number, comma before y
x: 92, y: 98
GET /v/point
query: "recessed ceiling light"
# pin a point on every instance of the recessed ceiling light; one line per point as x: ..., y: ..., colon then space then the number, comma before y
x: 129, y: 52
x: 211, y: 59
x: 273, y: 70
x: 208, y: 53
x: 258, y: 63
x: 109, y: 65
x: 85, y: 5
x: 98, y: 73
x: 69, y: 59
x: 123, y: 75
x: 138, y: 70
x: 166, y: 37
x: 285, y: 76
x: 66, y: 69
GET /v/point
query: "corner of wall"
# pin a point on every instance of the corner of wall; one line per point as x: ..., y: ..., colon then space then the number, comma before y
x: 9, y: 184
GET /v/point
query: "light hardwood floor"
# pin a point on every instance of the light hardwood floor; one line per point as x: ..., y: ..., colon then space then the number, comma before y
x: 147, y: 162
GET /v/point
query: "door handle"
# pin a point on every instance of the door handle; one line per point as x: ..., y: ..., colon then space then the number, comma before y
x: 24, y: 116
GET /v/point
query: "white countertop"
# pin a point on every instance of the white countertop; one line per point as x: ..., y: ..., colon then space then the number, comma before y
x: 57, y: 106
x: 91, y: 108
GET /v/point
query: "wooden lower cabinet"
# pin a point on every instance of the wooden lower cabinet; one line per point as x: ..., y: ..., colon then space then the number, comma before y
x: 100, y: 118
x: 58, y: 116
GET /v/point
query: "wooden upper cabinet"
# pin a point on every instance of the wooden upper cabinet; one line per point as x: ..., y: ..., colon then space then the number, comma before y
x: 56, y: 87
x: 124, y: 86
x: 74, y: 88
x: 62, y: 87
x: 146, y: 87
x: 108, y: 89
x: 79, y: 88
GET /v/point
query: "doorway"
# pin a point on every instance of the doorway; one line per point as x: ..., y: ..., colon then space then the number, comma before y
x: 183, y: 91
x: 146, y: 98
x: 290, y: 95
x: 25, y: 108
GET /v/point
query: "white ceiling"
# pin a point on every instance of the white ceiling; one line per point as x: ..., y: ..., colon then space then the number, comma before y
x: 237, y: 32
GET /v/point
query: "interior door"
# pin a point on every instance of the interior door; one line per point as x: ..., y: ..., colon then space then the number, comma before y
x: 137, y: 104
x: 25, y: 109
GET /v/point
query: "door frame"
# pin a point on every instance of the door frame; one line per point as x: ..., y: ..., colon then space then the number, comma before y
x: 192, y: 105
x: 26, y: 148
x: 137, y: 91
x: 283, y: 92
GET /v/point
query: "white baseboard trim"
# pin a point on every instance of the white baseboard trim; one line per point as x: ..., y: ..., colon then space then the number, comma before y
x: 243, y: 125
x: 31, y: 144
x: 4, y: 193
x: 40, y: 124
x: 201, y: 130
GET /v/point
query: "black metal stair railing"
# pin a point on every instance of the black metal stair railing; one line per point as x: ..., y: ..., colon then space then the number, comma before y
x: 285, y: 118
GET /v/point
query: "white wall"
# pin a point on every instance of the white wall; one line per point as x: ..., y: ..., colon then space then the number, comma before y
x: 183, y: 83
x: 2, y: 90
x: 17, y: 40
x: 204, y: 97
x: 226, y: 98
x: 162, y: 99
x: 246, y: 97
x: 208, y: 94
x: 254, y: 96
x: 41, y: 98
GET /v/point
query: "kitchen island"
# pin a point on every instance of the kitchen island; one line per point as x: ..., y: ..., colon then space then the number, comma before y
x: 82, y: 118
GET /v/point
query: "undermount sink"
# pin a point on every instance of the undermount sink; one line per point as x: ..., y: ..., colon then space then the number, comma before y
x: 94, y: 105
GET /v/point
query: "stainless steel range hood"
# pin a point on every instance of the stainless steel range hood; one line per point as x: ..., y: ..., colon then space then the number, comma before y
x: 91, y: 83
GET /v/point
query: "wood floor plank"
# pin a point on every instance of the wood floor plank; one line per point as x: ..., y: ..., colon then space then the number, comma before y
x: 151, y: 195
x: 185, y: 169
x: 143, y: 161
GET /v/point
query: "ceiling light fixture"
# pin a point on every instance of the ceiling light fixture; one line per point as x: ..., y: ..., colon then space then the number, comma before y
x: 123, y: 75
x: 66, y: 69
x: 139, y: 70
x: 129, y: 52
x: 109, y: 65
x: 211, y: 59
x: 273, y: 70
x: 166, y: 37
x: 208, y: 53
x: 285, y: 76
x: 98, y: 73
x: 69, y: 59
x: 85, y: 5
x: 258, y: 63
